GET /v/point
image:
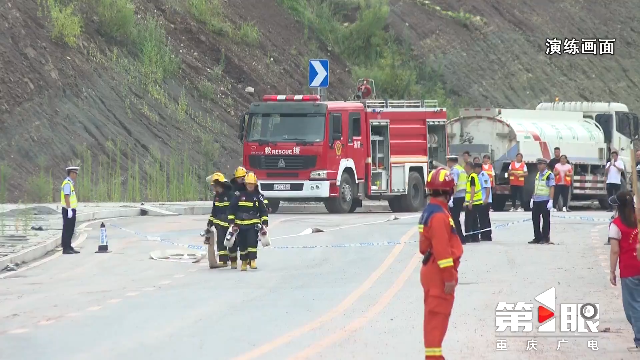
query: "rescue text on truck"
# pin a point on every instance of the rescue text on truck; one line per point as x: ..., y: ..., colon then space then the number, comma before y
x: 341, y: 152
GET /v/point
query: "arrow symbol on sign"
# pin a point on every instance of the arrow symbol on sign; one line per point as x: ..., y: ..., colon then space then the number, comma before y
x: 321, y: 73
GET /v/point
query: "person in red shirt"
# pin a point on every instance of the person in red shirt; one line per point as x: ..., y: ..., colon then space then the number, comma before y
x: 442, y: 250
x: 623, y: 236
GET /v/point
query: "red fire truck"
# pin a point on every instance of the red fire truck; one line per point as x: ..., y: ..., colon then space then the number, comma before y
x: 341, y: 152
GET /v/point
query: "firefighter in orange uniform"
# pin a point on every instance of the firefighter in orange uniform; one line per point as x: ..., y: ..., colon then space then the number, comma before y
x: 442, y: 249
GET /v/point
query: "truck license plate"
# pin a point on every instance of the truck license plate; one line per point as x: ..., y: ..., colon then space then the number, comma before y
x: 282, y: 187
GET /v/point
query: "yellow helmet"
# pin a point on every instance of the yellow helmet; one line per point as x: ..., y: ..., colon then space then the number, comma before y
x: 218, y: 176
x: 240, y: 172
x: 251, y: 178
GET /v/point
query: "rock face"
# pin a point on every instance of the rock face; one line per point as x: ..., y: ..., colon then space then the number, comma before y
x: 59, y: 103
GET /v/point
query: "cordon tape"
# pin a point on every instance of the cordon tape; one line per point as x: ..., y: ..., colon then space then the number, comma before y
x: 361, y: 244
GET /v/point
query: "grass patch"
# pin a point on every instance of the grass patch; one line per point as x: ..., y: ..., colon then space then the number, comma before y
x: 40, y: 187
x: 463, y: 18
x: 116, y: 18
x: 209, y: 12
x: 156, y: 58
x: 5, y: 172
x: 206, y: 89
x: 248, y: 33
x: 67, y: 25
x: 369, y: 49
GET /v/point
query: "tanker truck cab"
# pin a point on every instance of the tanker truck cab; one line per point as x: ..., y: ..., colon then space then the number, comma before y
x: 336, y: 152
x: 618, y: 126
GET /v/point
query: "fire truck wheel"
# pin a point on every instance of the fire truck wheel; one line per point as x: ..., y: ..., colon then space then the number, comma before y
x: 274, y: 205
x: 342, y: 203
x: 394, y: 204
x: 414, y: 199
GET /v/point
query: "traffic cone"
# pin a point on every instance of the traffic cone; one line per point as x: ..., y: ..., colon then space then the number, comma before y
x: 104, y: 243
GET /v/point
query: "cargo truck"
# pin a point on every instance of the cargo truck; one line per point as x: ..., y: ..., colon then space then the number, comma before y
x: 585, y: 132
x: 341, y: 152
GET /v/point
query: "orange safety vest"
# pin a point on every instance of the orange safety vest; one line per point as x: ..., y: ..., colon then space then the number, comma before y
x: 567, y: 178
x: 518, y: 178
x: 488, y: 168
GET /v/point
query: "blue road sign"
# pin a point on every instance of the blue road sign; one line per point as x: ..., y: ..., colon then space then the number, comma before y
x: 318, y: 73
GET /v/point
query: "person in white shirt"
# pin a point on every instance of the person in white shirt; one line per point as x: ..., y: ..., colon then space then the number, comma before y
x: 613, y: 171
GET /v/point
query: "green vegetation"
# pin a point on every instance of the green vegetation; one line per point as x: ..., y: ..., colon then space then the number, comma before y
x: 463, y: 18
x: 157, y: 61
x: 40, y: 186
x: 369, y: 49
x: 4, y: 186
x: 116, y: 17
x: 249, y: 34
x: 67, y: 25
x: 209, y: 12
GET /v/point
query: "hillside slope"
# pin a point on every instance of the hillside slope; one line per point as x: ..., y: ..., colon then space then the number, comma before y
x: 146, y: 95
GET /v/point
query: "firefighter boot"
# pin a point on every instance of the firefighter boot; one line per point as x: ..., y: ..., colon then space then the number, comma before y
x: 234, y: 264
x: 223, y: 264
x: 253, y: 265
x: 243, y: 267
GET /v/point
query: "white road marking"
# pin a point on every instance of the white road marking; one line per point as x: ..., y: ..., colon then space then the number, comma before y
x: 165, y: 282
x: 178, y: 276
x: 46, y: 322
x: 149, y: 289
x: 18, y: 331
x: 132, y: 294
x: 113, y: 301
x: 94, y: 308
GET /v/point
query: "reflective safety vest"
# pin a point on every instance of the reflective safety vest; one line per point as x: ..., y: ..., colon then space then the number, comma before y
x: 477, y: 197
x: 73, y: 200
x: 541, y: 187
x: 566, y: 178
x: 488, y: 168
x: 462, y: 178
x: 518, y: 177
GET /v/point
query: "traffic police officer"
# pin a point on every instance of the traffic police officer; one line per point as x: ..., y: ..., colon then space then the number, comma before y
x: 248, y: 213
x: 541, y: 203
x: 473, y: 204
x: 456, y: 203
x: 442, y: 250
x: 219, y: 215
x: 69, y: 202
x: 484, y: 211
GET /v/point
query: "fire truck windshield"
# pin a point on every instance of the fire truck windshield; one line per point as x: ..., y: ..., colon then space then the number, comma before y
x: 276, y: 128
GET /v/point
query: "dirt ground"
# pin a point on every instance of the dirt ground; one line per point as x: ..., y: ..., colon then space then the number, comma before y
x: 53, y: 98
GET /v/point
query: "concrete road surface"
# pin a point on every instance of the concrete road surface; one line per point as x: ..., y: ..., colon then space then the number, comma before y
x: 336, y: 298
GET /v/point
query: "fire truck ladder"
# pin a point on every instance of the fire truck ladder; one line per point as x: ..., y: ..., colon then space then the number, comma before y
x: 400, y: 104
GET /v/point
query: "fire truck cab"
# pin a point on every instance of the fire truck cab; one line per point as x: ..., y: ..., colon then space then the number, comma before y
x: 341, y: 152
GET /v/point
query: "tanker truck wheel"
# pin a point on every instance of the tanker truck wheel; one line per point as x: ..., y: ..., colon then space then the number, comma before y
x: 342, y: 203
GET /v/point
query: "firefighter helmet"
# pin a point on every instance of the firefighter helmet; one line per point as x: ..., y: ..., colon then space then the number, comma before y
x: 217, y: 177
x: 251, y: 178
x: 440, y: 179
x: 240, y: 172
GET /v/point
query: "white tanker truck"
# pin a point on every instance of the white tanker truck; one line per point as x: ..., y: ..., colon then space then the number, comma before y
x: 586, y: 132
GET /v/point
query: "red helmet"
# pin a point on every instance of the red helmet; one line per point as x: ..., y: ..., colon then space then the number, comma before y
x: 440, y: 179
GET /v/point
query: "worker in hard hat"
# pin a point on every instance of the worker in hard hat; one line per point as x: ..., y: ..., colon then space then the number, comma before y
x: 248, y: 214
x: 456, y: 203
x: 219, y: 214
x: 442, y: 250
x: 238, y: 183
